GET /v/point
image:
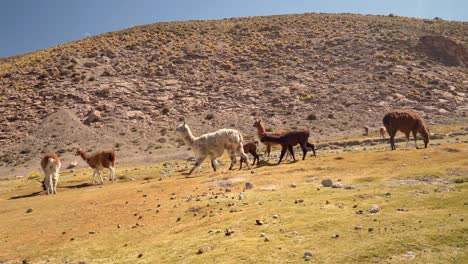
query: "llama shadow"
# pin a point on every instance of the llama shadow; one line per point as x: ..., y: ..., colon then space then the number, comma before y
x: 25, y: 196
x: 79, y: 186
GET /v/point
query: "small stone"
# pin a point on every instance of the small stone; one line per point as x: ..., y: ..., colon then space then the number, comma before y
x: 200, y: 251
x: 358, y: 227
x: 29, y: 210
x: 259, y: 222
x: 335, y: 236
x: 461, y: 219
x: 92, y: 232
x: 240, y: 197
x: 426, y: 157
x: 349, y: 187
x: 178, y: 219
x: 374, y: 209
x: 228, y: 232
x: 388, y: 195
x: 140, y: 255
x: 359, y: 212
x: 266, y: 239
x: 293, y: 185
x: 409, y: 254
x: 370, y: 229
x: 275, y: 216
x: 131, y: 179
x: 25, y: 261
x: 337, y: 185
x: 299, y: 201
x: 327, y: 183
x: 307, y: 254
x: 119, y: 226
x: 307, y: 258
x: 253, y: 171
x: 248, y: 185
x: 262, y: 235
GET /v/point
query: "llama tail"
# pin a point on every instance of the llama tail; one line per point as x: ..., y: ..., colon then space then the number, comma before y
x: 256, y: 143
x: 312, y: 146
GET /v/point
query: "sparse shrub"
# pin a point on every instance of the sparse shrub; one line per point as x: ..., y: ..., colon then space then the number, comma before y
x: 209, y: 116
x: 165, y: 110
x: 312, y: 116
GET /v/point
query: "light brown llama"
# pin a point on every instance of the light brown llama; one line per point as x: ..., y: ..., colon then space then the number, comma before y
x: 382, y: 132
x: 366, y: 131
x: 405, y: 121
x: 251, y: 148
x: 50, y: 164
x: 98, y: 161
x: 261, y: 131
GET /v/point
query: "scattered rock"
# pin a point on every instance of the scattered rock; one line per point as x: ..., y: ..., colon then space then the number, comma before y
x: 299, y: 201
x: 259, y: 222
x: 262, y: 234
x: 293, y: 185
x: 92, y: 232
x: 266, y: 239
x: 307, y: 255
x: 374, y: 209
x: 409, y: 255
x: 29, y: 210
x: 358, y: 227
x: 275, y: 216
x: 200, y: 251
x: 248, y: 185
x: 93, y: 116
x: 327, y: 183
x: 253, y: 171
x: 337, y: 185
x: 335, y: 236
x: 228, y: 232
x: 370, y: 229
x: 140, y: 255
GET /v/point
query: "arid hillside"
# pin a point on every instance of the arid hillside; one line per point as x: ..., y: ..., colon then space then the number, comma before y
x: 330, y: 73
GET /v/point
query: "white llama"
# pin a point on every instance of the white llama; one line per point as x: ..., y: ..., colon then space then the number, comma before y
x: 213, y: 145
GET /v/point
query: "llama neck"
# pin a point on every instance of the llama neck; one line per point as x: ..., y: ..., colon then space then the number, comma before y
x: 188, y: 137
x: 424, y: 132
x: 83, y: 155
x: 260, y: 130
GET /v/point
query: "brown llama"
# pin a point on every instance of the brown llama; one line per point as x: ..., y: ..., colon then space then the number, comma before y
x: 262, y: 131
x: 382, y: 131
x: 288, y: 140
x: 366, y: 131
x: 50, y: 164
x: 405, y: 121
x: 251, y: 148
x: 98, y: 161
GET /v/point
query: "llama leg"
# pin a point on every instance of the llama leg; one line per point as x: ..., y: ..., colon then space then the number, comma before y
x: 304, y: 150
x: 415, y: 132
x: 232, y: 155
x: 51, y: 184
x: 242, y: 155
x: 46, y: 183
x: 94, y: 177
x: 392, y: 134
x: 283, y: 151
x: 112, y: 174
x: 197, y: 163
x: 100, y: 176
x: 56, y: 176
x: 291, y: 151
x: 256, y: 157
x: 213, y: 164
x: 407, y: 139
x: 268, y: 151
x: 241, y: 160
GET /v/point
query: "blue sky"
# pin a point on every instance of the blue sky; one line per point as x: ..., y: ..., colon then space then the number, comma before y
x: 29, y: 25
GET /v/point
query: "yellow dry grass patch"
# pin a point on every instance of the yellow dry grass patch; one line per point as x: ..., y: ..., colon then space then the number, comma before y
x: 167, y: 219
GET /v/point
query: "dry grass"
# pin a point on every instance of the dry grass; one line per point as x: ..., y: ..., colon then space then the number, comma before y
x: 130, y: 218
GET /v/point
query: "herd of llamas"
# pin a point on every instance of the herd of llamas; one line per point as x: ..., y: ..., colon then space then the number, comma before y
x: 213, y: 145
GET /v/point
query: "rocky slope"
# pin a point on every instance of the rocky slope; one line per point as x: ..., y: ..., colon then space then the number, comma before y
x: 330, y: 73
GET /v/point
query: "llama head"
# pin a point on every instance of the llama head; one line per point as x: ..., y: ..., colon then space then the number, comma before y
x: 78, y: 152
x: 257, y: 123
x: 182, y: 128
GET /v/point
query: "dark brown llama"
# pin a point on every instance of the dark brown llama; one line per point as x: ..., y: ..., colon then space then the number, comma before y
x: 288, y: 140
x: 251, y: 148
x: 405, y: 121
